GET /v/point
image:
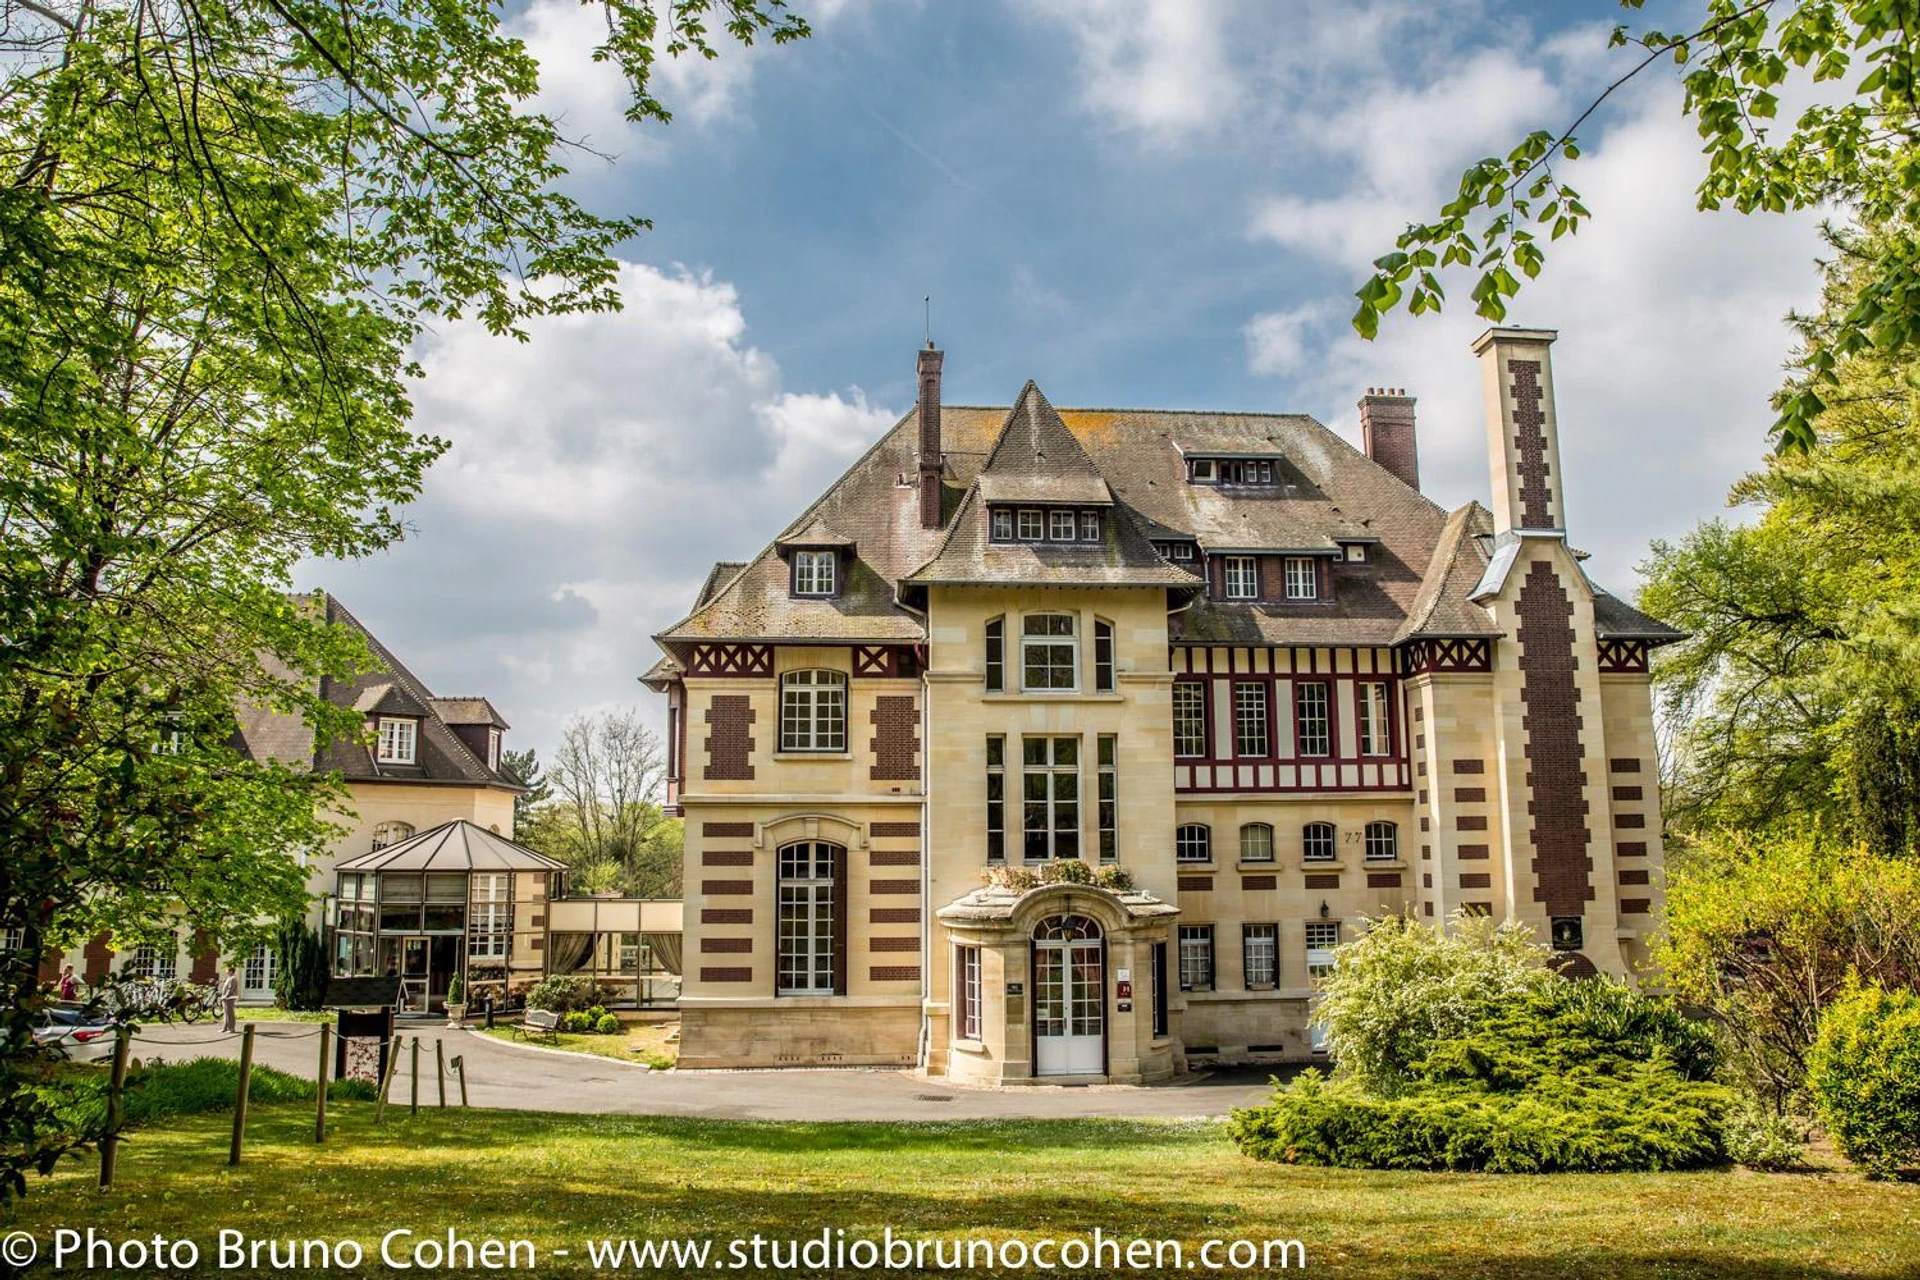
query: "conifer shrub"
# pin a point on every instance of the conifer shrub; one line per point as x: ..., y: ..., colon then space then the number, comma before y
x: 1864, y: 1073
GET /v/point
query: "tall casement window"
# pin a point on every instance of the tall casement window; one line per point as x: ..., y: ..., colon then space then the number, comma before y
x: 1196, y: 957
x: 1250, y: 735
x: 1302, y: 578
x: 262, y: 963
x: 1376, y: 735
x: 396, y: 743
x: 1193, y: 842
x: 1317, y: 842
x: 814, y: 573
x: 966, y: 993
x: 996, y: 655
x: 1159, y: 959
x: 996, y: 798
x: 391, y: 833
x: 813, y: 711
x: 1109, y: 817
x: 1189, y: 718
x: 1256, y: 842
x: 1049, y: 652
x: 1322, y: 937
x: 1260, y: 955
x: 489, y: 921
x: 1383, y: 842
x: 806, y: 923
x: 1102, y: 657
x: 1050, y: 791
x: 1243, y: 578
x: 1312, y: 728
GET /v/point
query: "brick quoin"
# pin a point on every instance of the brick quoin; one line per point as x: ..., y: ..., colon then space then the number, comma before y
x: 896, y: 739
x: 1556, y: 777
x: 726, y: 828
x: 714, y: 974
x: 729, y: 742
x: 894, y: 973
x: 882, y: 830
x: 726, y: 946
x: 904, y: 942
x: 726, y: 857
x: 726, y: 915
x: 1536, y: 494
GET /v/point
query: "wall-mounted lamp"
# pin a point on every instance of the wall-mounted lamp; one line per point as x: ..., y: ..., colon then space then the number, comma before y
x: 1323, y: 909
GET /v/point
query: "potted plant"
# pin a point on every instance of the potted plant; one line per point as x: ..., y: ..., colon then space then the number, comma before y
x: 456, y: 1002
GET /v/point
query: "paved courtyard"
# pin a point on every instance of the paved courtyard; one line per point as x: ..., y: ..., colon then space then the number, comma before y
x: 515, y: 1077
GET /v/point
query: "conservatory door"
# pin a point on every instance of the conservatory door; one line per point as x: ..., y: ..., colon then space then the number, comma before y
x: 1069, y: 1010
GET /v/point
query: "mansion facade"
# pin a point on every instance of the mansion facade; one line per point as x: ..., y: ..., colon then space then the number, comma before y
x: 1067, y: 744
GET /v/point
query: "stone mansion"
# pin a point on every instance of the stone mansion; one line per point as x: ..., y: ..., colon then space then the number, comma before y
x: 1066, y: 744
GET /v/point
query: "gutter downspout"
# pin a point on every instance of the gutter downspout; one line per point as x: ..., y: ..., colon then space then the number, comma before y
x: 924, y: 1042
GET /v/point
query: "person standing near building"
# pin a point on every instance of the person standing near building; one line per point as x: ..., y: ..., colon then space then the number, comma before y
x: 230, y: 999
x: 69, y: 984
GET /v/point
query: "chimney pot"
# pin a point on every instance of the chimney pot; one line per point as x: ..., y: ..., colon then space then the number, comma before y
x: 1387, y: 432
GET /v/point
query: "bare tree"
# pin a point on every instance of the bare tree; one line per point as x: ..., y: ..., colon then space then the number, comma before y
x: 608, y: 779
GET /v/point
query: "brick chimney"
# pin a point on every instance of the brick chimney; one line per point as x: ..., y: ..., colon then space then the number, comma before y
x: 1386, y: 429
x: 1523, y: 430
x: 932, y: 465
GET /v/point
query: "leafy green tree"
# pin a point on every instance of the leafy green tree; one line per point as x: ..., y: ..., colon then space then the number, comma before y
x: 605, y: 819
x: 1856, y: 61
x: 222, y: 227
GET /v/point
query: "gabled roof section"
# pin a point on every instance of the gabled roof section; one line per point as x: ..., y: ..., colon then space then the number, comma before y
x: 440, y: 756
x: 723, y: 572
x: 1444, y: 607
x: 470, y: 710
x: 458, y: 845
x: 815, y: 533
x: 1615, y: 619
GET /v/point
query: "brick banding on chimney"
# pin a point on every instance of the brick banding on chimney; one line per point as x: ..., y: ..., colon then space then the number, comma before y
x: 1388, y: 435
x: 1556, y: 772
x: 1530, y: 420
x: 932, y: 459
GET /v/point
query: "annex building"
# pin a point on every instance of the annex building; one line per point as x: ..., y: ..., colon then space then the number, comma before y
x: 1066, y: 744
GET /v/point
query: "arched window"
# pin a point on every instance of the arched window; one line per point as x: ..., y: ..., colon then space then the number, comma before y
x: 1193, y: 842
x: 809, y: 872
x: 1383, y: 842
x: 813, y: 711
x: 1066, y: 929
x: 1317, y: 842
x: 1256, y: 842
x: 391, y: 833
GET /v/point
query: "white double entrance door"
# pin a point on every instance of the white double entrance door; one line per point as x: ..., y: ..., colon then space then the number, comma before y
x: 1069, y: 1012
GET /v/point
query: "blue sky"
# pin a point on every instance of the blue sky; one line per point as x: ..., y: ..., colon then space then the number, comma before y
x: 1134, y: 202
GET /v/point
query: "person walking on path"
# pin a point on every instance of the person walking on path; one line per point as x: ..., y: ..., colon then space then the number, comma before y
x: 69, y: 985
x: 230, y: 1000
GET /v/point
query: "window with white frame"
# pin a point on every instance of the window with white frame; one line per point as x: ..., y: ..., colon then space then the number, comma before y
x: 1189, y: 718
x: 1376, y: 730
x: 996, y: 798
x: 966, y: 993
x: 490, y: 918
x: 805, y: 924
x: 1251, y: 738
x: 1382, y: 842
x: 1356, y: 552
x: 493, y: 748
x: 159, y: 963
x: 397, y: 740
x: 996, y: 655
x: 1183, y: 551
x: 387, y: 833
x: 1002, y: 525
x: 1050, y: 797
x: 1196, y: 957
x: 1089, y: 526
x: 1322, y: 937
x: 1312, y: 728
x: 1109, y: 796
x: 1256, y: 842
x: 1302, y: 578
x: 814, y: 573
x: 1318, y: 842
x: 1032, y: 524
x: 1242, y: 578
x: 1049, y: 652
x: 1061, y: 526
x: 1260, y: 955
x: 813, y: 711
x: 1193, y: 842
x: 257, y: 973
x: 1102, y: 657
x: 14, y: 938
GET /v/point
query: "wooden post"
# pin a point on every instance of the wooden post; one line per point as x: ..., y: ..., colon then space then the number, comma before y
x: 320, y: 1087
x: 386, y: 1080
x: 460, y: 1070
x: 240, y: 1099
x: 440, y: 1069
x: 116, y: 1103
x: 414, y: 1108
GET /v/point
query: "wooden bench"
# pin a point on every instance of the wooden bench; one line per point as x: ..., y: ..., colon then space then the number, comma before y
x: 538, y: 1022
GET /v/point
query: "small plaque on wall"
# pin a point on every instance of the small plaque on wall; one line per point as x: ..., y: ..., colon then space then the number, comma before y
x: 1126, y: 1006
x: 1016, y: 988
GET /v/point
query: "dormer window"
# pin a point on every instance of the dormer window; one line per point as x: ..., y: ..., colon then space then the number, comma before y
x: 815, y: 573
x: 1089, y: 526
x: 1242, y: 578
x: 493, y: 749
x: 1033, y: 524
x: 1356, y: 552
x: 1003, y: 525
x: 398, y: 740
x: 1061, y: 526
x: 1045, y: 524
x: 1230, y: 471
x: 1302, y: 578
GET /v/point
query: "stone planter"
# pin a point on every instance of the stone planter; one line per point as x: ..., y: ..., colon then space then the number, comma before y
x: 456, y: 1013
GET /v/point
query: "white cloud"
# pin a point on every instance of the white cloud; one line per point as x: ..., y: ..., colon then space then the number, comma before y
x: 1156, y: 67
x: 595, y: 474
x: 1278, y: 342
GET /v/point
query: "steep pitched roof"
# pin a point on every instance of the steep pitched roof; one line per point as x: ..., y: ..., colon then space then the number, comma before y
x: 470, y: 710
x: 458, y: 845
x: 1444, y: 607
x: 440, y: 756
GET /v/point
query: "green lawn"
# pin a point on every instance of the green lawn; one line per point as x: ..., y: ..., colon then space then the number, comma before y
x: 267, y: 1014
x: 640, y: 1042
x: 559, y: 1180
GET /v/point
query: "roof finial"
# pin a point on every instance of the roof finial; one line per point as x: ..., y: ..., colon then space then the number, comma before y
x: 928, y: 300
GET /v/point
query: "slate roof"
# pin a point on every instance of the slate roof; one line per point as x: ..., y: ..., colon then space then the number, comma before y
x: 1328, y: 493
x: 440, y: 756
x: 457, y: 845
x: 473, y: 710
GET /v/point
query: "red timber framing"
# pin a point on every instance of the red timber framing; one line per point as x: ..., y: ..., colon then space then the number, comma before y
x: 1420, y: 657
x: 1282, y: 770
x: 887, y: 661
x: 1623, y: 656
x: 730, y: 660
